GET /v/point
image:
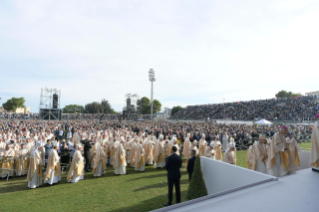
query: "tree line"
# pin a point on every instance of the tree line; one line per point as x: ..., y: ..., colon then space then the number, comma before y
x: 143, y: 105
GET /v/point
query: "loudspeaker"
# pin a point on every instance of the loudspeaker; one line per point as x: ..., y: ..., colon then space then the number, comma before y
x: 55, y: 101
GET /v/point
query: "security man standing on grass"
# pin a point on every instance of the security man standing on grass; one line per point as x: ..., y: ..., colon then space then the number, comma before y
x: 173, y: 164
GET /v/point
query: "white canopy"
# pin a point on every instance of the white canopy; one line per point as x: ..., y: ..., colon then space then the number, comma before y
x: 263, y: 121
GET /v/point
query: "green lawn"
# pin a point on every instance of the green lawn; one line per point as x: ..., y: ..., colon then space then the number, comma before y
x: 137, y: 191
x: 305, y: 146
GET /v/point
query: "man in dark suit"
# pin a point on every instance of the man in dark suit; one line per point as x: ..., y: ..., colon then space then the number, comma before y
x: 87, y: 153
x: 173, y: 164
x: 191, y: 163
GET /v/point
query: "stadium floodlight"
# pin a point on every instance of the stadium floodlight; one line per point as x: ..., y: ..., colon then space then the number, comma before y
x: 151, y: 75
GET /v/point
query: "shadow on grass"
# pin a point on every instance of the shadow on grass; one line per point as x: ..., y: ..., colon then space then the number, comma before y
x: 151, y: 204
x: 159, y: 185
x: 16, y: 184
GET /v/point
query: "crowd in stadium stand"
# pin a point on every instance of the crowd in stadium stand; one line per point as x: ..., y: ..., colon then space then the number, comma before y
x: 295, y: 109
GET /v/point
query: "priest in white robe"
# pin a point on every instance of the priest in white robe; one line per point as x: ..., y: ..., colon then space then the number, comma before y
x: 278, y: 155
x: 294, y: 150
x: 249, y: 157
x: 230, y: 154
x: 119, y: 159
x: 202, y: 146
x: 53, y: 171
x: 218, y: 150
x: 76, y: 171
x: 209, y: 152
x: 139, y: 158
x: 225, y: 141
x: 187, y: 149
x: 148, y: 147
x: 260, y: 155
x: 133, y: 151
x: 160, y: 153
x: 22, y: 163
x: 34, y: 177
x: 99, y: 166
x: 314, y: 156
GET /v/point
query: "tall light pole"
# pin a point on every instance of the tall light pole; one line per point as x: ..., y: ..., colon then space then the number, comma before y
x: 151, y: 75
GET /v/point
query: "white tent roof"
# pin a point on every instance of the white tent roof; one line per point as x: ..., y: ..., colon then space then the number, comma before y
x: 263, y: 121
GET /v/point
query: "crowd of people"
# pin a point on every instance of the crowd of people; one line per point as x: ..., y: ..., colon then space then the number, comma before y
x: 299, y: 109
x: 11, y: 115
x: 40, y: 149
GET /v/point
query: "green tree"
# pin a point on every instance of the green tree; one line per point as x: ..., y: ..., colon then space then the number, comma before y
x: 156, y: 106
x: 197, y: 187
x: 285, y: 94
x: 176, y: 109
x: 14, y: 103
x: 97, y: 107
x: 107, y: 107
x: 73, y: 109
x: 94, y: 107
x: 143, y: 105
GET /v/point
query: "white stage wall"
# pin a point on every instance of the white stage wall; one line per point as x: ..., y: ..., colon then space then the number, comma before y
x: 304, y: 157
x: 220, y: 176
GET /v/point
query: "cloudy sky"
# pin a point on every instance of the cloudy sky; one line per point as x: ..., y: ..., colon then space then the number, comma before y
x: 202, y: 50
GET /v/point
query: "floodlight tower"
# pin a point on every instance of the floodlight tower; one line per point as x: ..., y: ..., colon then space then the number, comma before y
x: 151, y: 75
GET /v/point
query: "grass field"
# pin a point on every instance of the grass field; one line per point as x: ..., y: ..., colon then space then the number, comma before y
x: 137, y: 191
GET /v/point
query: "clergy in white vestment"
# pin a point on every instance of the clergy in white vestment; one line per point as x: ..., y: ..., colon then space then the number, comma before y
x: 7, y: 162
x: 174, y: 143
x: 139, y: 158
x: 194, y: 146
x: 225, y: 141
x: 218, y: 150
x: 119, y: 159
x: 22, y: 163
x: 53, y: 171
x: 202, y: 146
x: 230, y: 154
x: 76, y: 171
x: 209, y: 152
x: 249, y: 157
x: 314, y: 156
x: 133, y: 151
x: 160, y: 153
x: 148, y: 147
x: 187, y: 149
x: 2, y: 144
x: 260, y: 155
x: 34, y: 177
x: 99, y: 166
x: 294, y: 150
x: 278, y: 154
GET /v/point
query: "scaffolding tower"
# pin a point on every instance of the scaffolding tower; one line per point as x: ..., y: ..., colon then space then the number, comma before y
x: 49, y: 107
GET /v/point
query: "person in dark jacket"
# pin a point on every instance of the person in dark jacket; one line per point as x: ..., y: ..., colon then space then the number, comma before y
x: 64, y: 154
x: 87, y: 153
x: 173, y: 164
x: 191, y: 163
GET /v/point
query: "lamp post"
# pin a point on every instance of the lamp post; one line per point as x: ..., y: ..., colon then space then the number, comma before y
x: 151, y: 75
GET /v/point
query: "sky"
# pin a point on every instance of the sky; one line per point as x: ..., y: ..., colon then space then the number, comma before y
x: 202, y: 51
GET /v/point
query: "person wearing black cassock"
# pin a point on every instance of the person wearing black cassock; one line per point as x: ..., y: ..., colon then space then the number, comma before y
x: 87, y: 153
x: 191, y: 163
x: 173, y: 164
